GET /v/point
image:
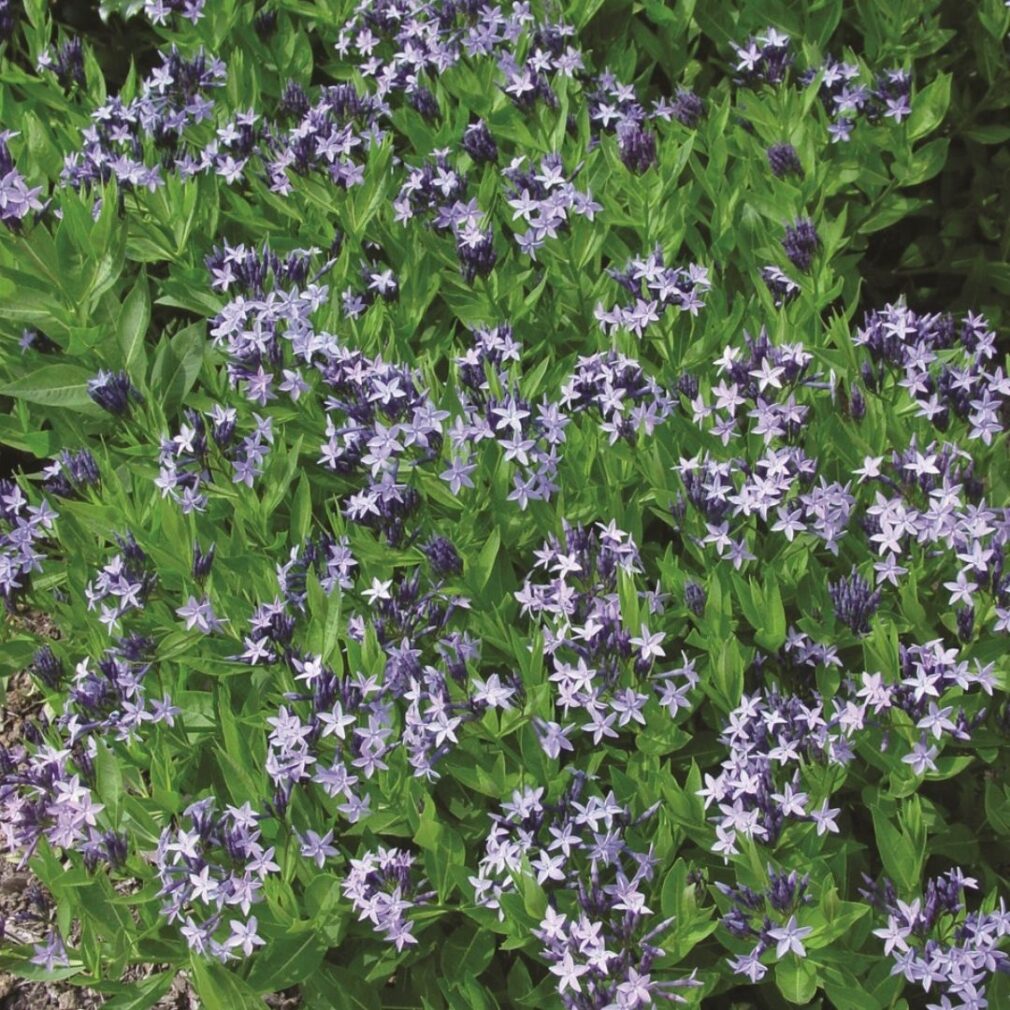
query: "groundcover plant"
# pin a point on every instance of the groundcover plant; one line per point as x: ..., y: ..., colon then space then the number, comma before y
x: 505, y: 504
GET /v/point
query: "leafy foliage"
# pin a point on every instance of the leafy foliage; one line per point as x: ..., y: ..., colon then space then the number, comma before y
x: 521, y: 494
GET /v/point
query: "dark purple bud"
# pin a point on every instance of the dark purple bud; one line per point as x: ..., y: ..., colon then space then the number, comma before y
x: 637, y: 146
x: 479, y: 144
x: 48, y: 668
x: 423, y: 101
x: 694, y: 598
x: 783, y: 160
x: 688, y: 108
x: 801, y: 242
x: 112, y: 391
x: 854, y: 601
x: 443, y: 557
x: 265, y: 23
x: 965, y: 624
x: 202, y: 562
x: 857, y: 404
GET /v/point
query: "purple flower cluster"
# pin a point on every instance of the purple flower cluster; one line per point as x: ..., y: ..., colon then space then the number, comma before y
x: 211, y: 867
x: 188, y: 461
x: 750, y: 918
x: 767, y: 59
x: 17, y: 198
x: 936, y: 942
x: 771, y: 731
x: 41, y: 796
x: 545, y: 201
x: 595, y: 930
x: 328, y: 556
x: 122, y: 136
x: 616, y: 387
x: 801, y: 243
x: 113, y: 391
x: 782, y: 287
x: 943, y: 366
x: 655, y: 287
x: 783, y: 160
x: 595, y: 664
x: 383, y: 888
x: 855, y: 602
x: 409, y: 616
x: 123, y: 584
x: 437, y: 190
x: 22, y: 527
x: 529, y: 441
x: 71, y: 474
x: 113, y: 701
x: 67, y: 63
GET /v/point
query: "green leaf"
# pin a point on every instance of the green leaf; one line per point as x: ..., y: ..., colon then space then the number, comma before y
x: 924, y: 163
x: 929, y: 107
x: 219, y: 989
x: 142, y: 995
x: 484, y: 565
x: 997, y: 808
x: 901, y: 852
x: 797, y: 979
x: 131, y: 331
x: 846, y: 992
x: 467, y: 952
x: 340, y: 989
x: 54, y: 386
x: 177, y: 365
x: 286, y: 961
x: 301, y: 510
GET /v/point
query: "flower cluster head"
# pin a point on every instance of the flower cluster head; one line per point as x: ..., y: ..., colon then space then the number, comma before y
x: 437, y: 191
x: 937, y: 943
x: 597, y: 667
x: 801, y: 243
x: 113, y: 392
x: 125, y: 136
x: 855, y: 602
x: 22, y: 527
x: 655, y: 288
x: 113, y: 700
x: 768, y: 59
x: 185, y: 458
x: 355, y: 722
x: 637, y: 145
x: 764, y: 58
x: 750, y: 917
x: 597, y: 930
x: 212, y: 867
x: 783, y: 160
x: 43, y: 796
x: 845, y: 99
x: 943, y: 364
x: 617, y: 389
x: 383, y: 887
x: 544, y: 200
x: 123, y: 584
x: 782, y: 287
x: 479, y: 144
x: 17, y: 198
x: 71, y: 474
x: 67, y: 63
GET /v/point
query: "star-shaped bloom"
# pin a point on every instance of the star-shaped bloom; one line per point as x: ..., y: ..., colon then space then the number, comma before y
x: 789, y: 938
